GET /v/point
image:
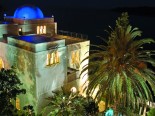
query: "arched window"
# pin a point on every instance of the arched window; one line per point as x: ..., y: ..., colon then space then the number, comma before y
x: 1, y: 63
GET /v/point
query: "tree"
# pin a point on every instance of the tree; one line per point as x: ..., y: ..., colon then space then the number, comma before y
x: 64, y: 103
x: 118, y: 68
x: 9, y: 89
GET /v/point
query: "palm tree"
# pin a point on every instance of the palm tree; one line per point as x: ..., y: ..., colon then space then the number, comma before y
x: 118, y: 68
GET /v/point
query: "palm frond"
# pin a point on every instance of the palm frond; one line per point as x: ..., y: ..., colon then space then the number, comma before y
x: 118, y: 70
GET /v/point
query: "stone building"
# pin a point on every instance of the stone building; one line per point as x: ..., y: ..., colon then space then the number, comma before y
x: 45, y: 60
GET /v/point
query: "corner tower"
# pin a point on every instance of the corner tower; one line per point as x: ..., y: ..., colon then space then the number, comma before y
x: 45, y: 60
x: 29, y: 19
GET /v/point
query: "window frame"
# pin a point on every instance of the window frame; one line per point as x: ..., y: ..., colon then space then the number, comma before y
x: 41, y: 29
x: 52, y: 58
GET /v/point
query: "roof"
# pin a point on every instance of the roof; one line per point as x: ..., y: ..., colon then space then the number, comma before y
x: 28, y: 12
x: 35, y: 39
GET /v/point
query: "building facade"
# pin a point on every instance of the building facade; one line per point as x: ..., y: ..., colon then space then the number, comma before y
x: 44, y: 59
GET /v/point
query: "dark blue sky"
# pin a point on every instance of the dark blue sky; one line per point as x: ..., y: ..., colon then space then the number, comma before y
x: 80, y: 3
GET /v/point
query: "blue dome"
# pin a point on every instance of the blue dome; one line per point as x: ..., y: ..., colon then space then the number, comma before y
x: 28, y: 12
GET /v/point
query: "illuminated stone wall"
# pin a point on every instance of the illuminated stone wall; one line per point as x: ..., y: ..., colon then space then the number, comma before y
x: 30, y: 60
x: 26, y: 29
x: 38, y: 79
x: 24, y: 62
x: 83, y: 48
x: 49, y: 78
x: 32, y: 29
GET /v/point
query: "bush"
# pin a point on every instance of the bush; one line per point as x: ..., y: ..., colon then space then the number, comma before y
x: 69, y: 104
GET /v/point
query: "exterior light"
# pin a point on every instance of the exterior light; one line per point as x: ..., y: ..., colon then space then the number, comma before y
x: 73, y: 89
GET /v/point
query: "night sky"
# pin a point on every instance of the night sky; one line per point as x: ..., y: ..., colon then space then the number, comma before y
x: 91, y: 22
x: 80, y: 3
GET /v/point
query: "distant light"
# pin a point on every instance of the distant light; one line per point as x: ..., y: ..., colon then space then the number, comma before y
x: 52, y: 16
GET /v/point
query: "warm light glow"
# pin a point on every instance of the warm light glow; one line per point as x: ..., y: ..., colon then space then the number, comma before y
x: 44, y: 29
x: 1, y: 63
x: 41, y: 29
x: 73, y: 89
x: 48, y: 59
x: 75, y: 58
x: 20, y: 29
x: 18, y: 103
x: 55, y: 28
x: 37, y: 29
x: 52, y: 58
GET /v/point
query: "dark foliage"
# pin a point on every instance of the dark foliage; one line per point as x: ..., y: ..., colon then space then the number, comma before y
x: 9, y: 89
x: 91, y: 107
x: 68, y: 104
x: 28, y: 110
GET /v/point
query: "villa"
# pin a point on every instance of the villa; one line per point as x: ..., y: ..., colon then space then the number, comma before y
x: 44, y: 59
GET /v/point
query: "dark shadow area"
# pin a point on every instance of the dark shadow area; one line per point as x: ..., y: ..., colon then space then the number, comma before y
x: 140, y: 11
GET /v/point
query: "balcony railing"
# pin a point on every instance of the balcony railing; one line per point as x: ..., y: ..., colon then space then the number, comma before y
x: 72, y: 34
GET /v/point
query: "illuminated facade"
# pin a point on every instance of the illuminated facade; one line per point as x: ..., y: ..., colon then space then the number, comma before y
x: 45, y: 60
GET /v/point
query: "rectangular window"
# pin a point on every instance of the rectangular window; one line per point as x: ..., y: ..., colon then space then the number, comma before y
x: 52, y: 58
x: 75, y: 58
x: 41, y: 29
x: 48, y: 59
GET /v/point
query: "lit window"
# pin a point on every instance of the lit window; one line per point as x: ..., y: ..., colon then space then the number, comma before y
x: 44, y: 29
x: 18, y: 103
x: 1, y: 63
x: 75, y: 58
x: 41, y: 29
x: 52, y: 58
